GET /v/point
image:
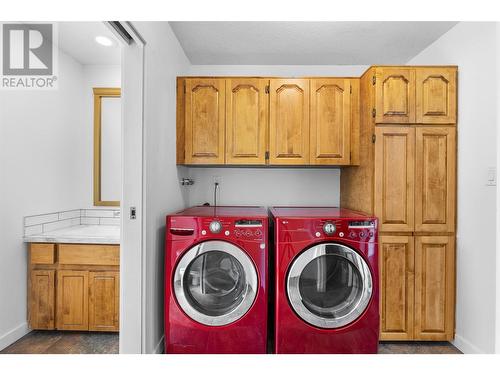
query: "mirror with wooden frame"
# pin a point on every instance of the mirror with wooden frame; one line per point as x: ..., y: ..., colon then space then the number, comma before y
x: 107, y: 146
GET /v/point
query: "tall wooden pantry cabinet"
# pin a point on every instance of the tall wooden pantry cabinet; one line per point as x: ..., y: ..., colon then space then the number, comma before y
x: 407, y: 178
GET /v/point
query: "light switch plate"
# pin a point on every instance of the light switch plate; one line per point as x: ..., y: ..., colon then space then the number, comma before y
x: 492, y: 176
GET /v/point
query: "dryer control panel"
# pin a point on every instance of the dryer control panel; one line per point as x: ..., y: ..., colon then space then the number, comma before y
x: 328, y: 229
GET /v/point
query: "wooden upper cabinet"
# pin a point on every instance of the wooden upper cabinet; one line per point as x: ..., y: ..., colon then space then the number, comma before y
x: 396, y: 265
x: 42, y: 299
x: 330, y: 121
x: 434, y: 287
x: 204, y: 122
x: 72, y: 300
x: 395, y: 95
x: 394, y: 178
x: 246, y: 120
x: 435, y: 179
x: 436, y: 95
x: 104, y: 301
x: 289, y: 121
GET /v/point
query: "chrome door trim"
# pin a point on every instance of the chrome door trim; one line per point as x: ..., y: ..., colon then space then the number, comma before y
x: 303, y: 260
x: 251, y: 281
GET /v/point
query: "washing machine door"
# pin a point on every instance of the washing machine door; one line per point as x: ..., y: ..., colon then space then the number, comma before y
x: 215, y: 283
x: 329, y: 285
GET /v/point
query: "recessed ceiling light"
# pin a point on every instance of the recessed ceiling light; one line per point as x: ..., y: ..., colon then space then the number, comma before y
x: 104, y: 41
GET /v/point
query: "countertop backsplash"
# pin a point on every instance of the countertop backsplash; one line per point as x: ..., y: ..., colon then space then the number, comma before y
x: 37, y: 224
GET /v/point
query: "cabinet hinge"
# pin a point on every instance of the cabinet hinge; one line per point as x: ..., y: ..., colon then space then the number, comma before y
x: 374, y: 112
x: 267, y: 89
x: 374, y: 138
x: 374, y: 80
x: 266, y: 155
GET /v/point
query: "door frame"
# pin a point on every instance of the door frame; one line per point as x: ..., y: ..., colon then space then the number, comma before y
x: 132, y: 227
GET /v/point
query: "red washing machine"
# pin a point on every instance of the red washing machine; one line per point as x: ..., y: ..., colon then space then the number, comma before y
x: 326, y: 281
x: 216, y: 280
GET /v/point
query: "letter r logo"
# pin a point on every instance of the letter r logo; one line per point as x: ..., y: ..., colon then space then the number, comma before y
x: 27, y: 49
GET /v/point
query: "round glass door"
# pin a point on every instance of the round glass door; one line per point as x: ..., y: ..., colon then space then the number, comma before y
x: 215, y: 283
x: 329, y: 285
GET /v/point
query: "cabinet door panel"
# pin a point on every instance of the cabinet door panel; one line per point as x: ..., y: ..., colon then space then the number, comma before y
x: 246, y: 120
x: 72, y: 300
x: 42, y: 300
x: 289, y: 121
x: 330, y: 121
x: 436, y: 93
x: 434, y: 287
x: 104, y: 297
x: 395, y: 95
x: 396, y: 262
x: 394, y: 178
x: 435, y: 179
x: 205, y: 110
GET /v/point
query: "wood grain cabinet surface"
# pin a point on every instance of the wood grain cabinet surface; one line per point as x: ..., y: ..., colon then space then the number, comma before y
x: 289, y: 121
x: 396, y: 265
x: 74, y: 287
x: 436, y: 95
x: 407, y: 178
x: 434, y: 287
x: 395, y: 95
x: 394, y: 178
x: 246, y: 120
x: 42, y: 299
x: 205, y: 121
x: 330, y: 121
x: 268, y: 121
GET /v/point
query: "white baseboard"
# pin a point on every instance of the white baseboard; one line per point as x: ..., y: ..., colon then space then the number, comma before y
x: 13, y: 335
x: 159, y: 349
x: 465, y: 346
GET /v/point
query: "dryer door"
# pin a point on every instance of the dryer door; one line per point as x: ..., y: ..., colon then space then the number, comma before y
x: 215, y: 283
x: 329, y: 285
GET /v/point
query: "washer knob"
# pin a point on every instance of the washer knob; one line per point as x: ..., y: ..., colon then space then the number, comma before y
x: 329, y: 228
x: 215, y: 226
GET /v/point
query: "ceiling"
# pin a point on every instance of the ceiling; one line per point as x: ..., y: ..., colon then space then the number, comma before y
x: 77, y: 39
x: 306, y: 43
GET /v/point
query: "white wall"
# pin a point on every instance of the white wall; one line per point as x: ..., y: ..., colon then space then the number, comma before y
x: 270, y: 186
x: 164, y: 61
x: 471, y: 46
x: 41, y: 169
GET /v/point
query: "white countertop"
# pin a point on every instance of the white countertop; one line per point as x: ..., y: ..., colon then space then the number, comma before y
x: 99, y: 234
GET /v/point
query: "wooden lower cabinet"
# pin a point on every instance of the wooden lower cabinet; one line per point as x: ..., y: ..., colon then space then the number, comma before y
x: 72, y: 300
x: 42, y: 299
x: 417, y: 287
x: 396, y: 265
x: 104, y: 301
x: 434, y: 287
x: 74, y: 287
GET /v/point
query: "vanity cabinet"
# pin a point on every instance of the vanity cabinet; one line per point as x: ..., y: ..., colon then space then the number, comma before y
x: 267, y: 121
x: 74, y: 287
x: 415, y: 95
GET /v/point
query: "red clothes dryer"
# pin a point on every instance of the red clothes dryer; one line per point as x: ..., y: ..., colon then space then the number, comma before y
x: 216, y: 280
x: 326, y: 279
